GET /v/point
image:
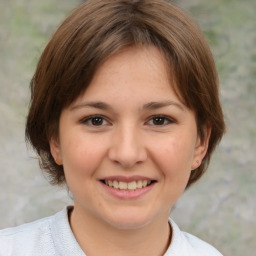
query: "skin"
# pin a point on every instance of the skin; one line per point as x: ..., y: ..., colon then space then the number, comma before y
x: 141, y: 128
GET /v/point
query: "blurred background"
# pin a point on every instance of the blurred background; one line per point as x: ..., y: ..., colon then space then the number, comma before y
x: 221, y: 207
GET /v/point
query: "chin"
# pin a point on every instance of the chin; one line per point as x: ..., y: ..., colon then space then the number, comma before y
x: 129, y: 221
x: 128, y: 224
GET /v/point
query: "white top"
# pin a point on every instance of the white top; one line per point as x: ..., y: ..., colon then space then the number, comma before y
x: 53, y: 236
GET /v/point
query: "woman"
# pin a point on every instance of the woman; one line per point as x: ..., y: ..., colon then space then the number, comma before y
x: 125, y: 111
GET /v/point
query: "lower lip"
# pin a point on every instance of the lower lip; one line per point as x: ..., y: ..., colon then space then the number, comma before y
x: 127, y: 194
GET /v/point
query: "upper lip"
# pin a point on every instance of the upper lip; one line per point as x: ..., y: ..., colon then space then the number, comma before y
x: 127, y: 178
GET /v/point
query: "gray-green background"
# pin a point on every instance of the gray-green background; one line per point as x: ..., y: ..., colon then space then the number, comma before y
x: 221, y: 207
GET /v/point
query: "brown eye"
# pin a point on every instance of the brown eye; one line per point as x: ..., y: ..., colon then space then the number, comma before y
x: 160, y: 121
x: 97, y: 121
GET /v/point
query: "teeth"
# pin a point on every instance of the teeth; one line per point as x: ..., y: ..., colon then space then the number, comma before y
x: 123, y: 185
x: 133, y: 185
x: 139, y: 184
x: 115, y: 184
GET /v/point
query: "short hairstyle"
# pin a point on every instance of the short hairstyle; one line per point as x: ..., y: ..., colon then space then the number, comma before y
x: 94, y: 32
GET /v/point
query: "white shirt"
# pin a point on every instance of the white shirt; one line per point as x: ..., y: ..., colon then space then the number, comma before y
x: 52, y: 236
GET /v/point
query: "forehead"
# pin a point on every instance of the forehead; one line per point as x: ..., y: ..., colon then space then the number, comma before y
x: 131, y: 68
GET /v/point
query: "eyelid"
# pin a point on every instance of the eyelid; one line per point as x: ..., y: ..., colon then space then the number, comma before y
x: 167, y: 118
x: 86, y: 119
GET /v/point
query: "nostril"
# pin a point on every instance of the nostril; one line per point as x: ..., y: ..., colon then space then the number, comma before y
x: 127, y: 152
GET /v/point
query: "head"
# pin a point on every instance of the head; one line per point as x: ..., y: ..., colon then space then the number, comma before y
x: 93, y: 33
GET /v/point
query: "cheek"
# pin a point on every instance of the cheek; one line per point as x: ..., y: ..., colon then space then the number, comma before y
x: 174, y: 157
x: 81, y: 157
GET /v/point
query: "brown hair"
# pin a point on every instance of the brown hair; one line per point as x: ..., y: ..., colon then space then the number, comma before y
x: 95, y: 31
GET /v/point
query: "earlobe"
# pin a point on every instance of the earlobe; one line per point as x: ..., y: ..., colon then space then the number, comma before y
x: 201, y: 148
x: 55, y: 151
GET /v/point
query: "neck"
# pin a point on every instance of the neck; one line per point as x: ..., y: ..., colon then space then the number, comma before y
x: 99, y: 238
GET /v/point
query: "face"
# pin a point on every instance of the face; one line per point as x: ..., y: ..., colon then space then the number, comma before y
x: 128, y: 144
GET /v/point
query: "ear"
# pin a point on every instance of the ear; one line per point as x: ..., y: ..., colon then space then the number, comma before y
x: 201, y: 147
x: 55, y: 151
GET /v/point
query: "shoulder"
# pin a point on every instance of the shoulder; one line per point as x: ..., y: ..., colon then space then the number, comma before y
x: 200, y: 246
x: 22, y: 239
x: 188, y: 245
x: 25, y: 228
x: 50, y: 236
x: 28, y: 239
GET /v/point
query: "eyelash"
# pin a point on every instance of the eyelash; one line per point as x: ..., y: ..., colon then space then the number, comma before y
x: 164, y: 118
x: 88, y: 120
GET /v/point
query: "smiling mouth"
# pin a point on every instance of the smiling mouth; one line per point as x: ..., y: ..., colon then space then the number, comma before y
x: 133, y: 185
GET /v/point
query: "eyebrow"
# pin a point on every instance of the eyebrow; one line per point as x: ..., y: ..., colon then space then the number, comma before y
x: 157, y: 105
x: 97, y: 104
x: 148, y: 106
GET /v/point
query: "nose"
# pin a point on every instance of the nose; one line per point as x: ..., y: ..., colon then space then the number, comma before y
x: 127, y: 147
